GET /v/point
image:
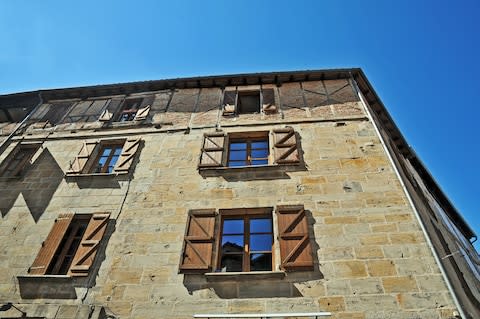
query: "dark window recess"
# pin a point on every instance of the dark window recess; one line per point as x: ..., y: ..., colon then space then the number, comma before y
x: 129, y: 109
x: 248, y: 152
x: 86, y: 111
x: 63, y: 257
x: 17, y: 162
x: 248, y: 102
x: 107, y: 158
x: 246, y: 243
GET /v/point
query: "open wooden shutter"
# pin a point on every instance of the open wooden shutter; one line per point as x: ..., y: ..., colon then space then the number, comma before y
x: 85, y: 254
x: 144, y: 108
x: 106, y: 116
x: 286, y: 146
x: 198, y: 242
x: 79, y: 162
x: 268, y: 101
x: 50, y: 245
x: 129, y: 151
x: 110, y: 110
x: 212, y: 150
x: 229, y: 103
x: 295, y: 245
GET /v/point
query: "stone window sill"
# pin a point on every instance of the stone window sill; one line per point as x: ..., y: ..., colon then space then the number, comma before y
x: 95, y: 174
x: 244, y: 276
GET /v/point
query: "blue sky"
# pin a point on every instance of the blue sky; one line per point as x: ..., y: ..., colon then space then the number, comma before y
x: 421, y: 57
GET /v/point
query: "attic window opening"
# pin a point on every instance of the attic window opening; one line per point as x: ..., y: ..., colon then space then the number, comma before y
x: 129, y: 110
x: 248, y: 102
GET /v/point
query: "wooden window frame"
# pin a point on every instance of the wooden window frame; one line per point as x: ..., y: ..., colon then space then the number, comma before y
x: 266, y: 101
x: 87, y: 115
x: 245, y: 214
x: 103, y: 145
x: 248, y: 139
x: 130, y: 107
x: 22, y: 164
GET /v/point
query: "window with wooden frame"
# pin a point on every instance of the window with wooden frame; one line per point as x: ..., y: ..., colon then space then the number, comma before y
x: 18, y: 160
x: 86, y: 110
x: 127, y: 109
x: 242, y: 240
x: 243, y: 149
x: 248, y: 102
x: 105, y: 157
x: 71, y: 245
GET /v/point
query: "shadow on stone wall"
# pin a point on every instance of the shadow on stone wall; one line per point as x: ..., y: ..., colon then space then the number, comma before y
x: 37, y: 186
x: 262, y: 285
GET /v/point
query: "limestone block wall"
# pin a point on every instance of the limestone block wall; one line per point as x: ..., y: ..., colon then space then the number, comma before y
x: 371, y: 258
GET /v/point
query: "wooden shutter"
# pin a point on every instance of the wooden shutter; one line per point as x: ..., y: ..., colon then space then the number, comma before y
x: 79, y: 162
x: 198, y: 242
x: 129, y: 151
x: 85, y: 254
x: 142, y: 113
x: 295, y: 245
x: 110, y: 110
x: 268, y: 101
x: 105, y: 116
x: 229, y: 103
x: 212, y: 150
x: 286, y: 146
x: 50, y: 245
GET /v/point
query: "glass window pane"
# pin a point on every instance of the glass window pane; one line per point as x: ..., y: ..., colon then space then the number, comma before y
x: 237, y: 163
x: 231, y: 263
x: 114, y: 160
x: 259, y: 162
x: 238, y: 146
x: 233, y: 226
x: 261, y: 262
x: 102, y: 160
x: 260, y: 144
x: 261, y: 225
x: 118, y: 151
x: 232, y: 244
x: 238, y: 155
x: 261, y: 242
x: 106, y: 151
x: 259, y: 153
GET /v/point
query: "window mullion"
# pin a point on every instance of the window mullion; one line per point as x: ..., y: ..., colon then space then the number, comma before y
x: 246, y: 230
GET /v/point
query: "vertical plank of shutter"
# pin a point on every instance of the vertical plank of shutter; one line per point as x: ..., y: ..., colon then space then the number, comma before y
x: 212, y: 150
x: 295, y: 245
x: 50, y: 245
x: 79, y: 162
x: 85, y: 254
x: 145, y: 107
x: 286, y: 146
x: 129, y: 151
x: 268, y: 101
x: 198, y: 242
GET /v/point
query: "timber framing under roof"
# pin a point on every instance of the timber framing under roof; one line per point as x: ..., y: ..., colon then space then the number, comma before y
x: 277, y: 78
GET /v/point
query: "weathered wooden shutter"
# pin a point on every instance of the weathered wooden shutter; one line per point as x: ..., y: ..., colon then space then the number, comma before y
x: 295, y: 245
x: 85, y: 254
x: 286, y: 146
x: 142, y: 113
x: 50, y: 245
x: 212, y: 150
x: 268, y: 101
x: 198, y: 242
x: 105, y: 116
x: 229, y: 102
x: 129, y: 151
x: 79, y: 162
x: 110, y: 110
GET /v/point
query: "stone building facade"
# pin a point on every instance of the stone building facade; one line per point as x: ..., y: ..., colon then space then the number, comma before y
x: 286, y: 193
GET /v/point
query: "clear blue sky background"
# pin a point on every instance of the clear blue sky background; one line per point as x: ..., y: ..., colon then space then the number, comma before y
x: 422, y: 57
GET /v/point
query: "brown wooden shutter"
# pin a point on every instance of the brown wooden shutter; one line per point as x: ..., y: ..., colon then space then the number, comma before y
x: 142, y: 113
x: 229, y: 103
x: 50, y: 245
x: 106, y: 116
x: 198, y: 242
x: 79, y: 162
x: 295, y: 245
x: 129, y: 151
x: 286, y: 146
x: 268, y: 101
x: 212, y: 150
x: 111, y: 109
x: 85, y: 254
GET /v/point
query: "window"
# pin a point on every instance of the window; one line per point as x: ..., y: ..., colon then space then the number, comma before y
x: 249, y: 151
x: 128, y: 110
x: 18, y: 160
x: 105, y: 157
x: 246, y: 243
x: 248, y: 102
x: 242, y: 240
x: 86, y: 111
x: 278, y: 147
x: 71, y: 245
